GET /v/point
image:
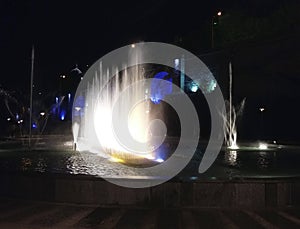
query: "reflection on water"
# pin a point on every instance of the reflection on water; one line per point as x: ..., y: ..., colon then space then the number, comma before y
x: 92, y: 164
x: 250, y: 159
x: 231, y: 157
x: 264, y: 159
x: 25, y: 164
x: 229, y: 164
x: 41, y: 165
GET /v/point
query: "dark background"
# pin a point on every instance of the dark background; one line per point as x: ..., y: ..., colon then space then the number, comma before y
x: 259, y: 37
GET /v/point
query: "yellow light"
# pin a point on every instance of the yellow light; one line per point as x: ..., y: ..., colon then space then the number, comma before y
x: 148, y: 156
x: 115, y: 159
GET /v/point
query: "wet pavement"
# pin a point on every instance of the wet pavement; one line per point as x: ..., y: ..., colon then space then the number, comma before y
x: 31, y: 214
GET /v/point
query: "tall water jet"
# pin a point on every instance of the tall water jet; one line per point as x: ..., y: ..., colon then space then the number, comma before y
x: 110, y: 102
x: 229, y: 115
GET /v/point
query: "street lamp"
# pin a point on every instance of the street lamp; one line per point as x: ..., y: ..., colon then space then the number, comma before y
x: 262, y: 110
x: 213, y: 22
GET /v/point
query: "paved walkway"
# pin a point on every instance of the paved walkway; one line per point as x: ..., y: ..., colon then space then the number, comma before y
x: 29, y: 214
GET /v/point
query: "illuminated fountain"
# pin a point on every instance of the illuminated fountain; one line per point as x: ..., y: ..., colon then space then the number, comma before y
x: 231, y: 133
x: 138, y: 116
x: 230, y: 114
x: 230, y: 125
x: 103, y: 106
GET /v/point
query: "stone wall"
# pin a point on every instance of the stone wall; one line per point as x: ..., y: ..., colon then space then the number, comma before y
x: 91, y: 190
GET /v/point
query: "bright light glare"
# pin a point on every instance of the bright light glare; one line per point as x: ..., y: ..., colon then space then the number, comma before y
x: 262, y: 146
x: 137, y: 125
x: 115, y: 159
x: 234, y: 146
x: 219, y: 13
x: 149, y: 156
x: 194, y: 87
x: 159, y: 160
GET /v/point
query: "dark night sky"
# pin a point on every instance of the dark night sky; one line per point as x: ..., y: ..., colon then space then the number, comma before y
x: 68, y: 32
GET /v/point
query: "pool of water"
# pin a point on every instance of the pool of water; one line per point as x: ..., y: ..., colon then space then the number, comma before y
x: 58, y: 157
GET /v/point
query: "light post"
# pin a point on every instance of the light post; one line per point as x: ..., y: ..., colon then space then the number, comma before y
x: 31, y: 93
x: 262, y: 110
x: 68, y: 84
x: 213, y: 22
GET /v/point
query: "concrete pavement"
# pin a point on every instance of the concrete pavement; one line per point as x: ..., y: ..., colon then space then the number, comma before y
x: 32, y: 214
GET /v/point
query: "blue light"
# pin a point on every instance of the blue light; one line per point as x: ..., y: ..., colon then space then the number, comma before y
x: 160, y: 87
x: 56, y: 99
x: 53, y: 109
x: 69, y: 96
x: 194, y: 87
x: 34, y: 126
x: 78, y: 106
x: 62, y: 115
x: 17, y: 116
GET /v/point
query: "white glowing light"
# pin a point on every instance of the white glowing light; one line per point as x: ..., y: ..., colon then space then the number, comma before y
x: 137, y: 126
x: 262, y: 146
x: 234, y: 146
x: 68, y: 143
x: 42, y: 113
x: 194, y: 87
x: 176, y: 62
x: 159, y: 160
x: 149, y: 157
x: 133, y: 46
